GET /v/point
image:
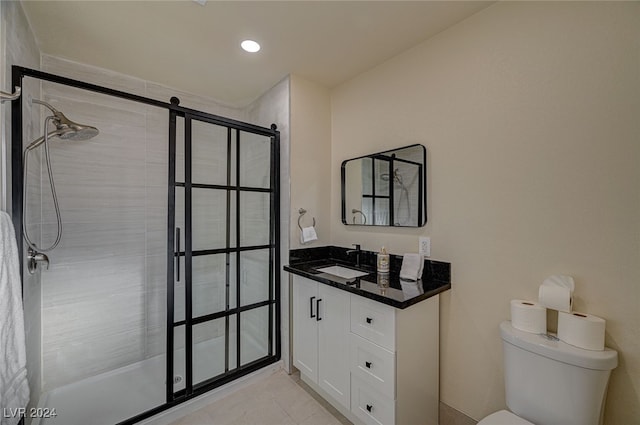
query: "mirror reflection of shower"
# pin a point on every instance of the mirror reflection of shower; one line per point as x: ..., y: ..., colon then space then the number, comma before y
x: 65, y: 129
x: 397, y: 180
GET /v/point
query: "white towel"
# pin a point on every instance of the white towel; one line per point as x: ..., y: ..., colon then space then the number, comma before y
x: 14, y: 388
x: 308, y: 234
x: 412, y: 265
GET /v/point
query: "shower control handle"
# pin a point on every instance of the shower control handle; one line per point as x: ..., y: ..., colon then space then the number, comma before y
x: 34, y: 258
x: 178, y: 254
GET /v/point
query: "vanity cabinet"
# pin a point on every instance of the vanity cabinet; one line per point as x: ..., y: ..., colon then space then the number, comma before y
x: 321, y: 336
x: 394, y: 362
x: 379, y: 363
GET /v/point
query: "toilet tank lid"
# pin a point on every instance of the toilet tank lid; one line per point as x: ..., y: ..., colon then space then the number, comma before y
x: 555, y: 349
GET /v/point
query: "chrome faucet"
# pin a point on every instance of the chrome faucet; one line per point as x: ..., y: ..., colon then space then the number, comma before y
x: 357, y: 251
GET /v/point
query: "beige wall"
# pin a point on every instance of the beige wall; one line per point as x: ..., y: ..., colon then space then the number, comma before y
x: 530, y: 113
x: 310, y: 148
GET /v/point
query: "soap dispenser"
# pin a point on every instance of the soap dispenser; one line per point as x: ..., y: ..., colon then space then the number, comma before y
x: 383, y: 261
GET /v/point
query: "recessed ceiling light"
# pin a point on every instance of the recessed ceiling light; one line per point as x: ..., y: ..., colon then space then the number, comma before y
x: 250, y: 46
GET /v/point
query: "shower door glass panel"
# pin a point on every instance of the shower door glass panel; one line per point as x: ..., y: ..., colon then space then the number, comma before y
x: 209, y: 348
x: 179, y: 358
x: 209, y: 218
x: 179, y: 155
x: 225, y: 209
x: 255, y: 169
x: 254, y: 218
x: 254, y: 277
x: 209, y: 284
x: 254, y: 334
x: 209, y: 153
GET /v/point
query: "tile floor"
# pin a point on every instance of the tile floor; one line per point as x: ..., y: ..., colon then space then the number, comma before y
x: 279, y: 399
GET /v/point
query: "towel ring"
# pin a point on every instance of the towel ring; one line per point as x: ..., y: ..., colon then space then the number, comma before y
x: 302, y: 212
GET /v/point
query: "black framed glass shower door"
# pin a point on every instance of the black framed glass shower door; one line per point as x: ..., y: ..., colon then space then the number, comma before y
x: 222, y: 277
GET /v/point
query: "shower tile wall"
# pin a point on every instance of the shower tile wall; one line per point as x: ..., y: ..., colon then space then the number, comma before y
x: 19, y: 48
x: 93, y: 293
x: 105, y: 293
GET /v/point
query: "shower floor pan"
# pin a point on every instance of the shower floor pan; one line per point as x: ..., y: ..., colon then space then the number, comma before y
x: 120, y: 394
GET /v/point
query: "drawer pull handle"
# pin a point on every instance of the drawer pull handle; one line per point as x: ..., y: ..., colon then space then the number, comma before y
x: 368, y: 364
x: 369, y: 408
x: 369, y: 320
x: 311, y: 315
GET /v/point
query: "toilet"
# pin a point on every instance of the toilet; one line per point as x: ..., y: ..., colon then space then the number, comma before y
x: 549, y: 382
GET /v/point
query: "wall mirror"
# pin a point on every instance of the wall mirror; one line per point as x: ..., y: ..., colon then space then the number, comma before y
x: 386, y: 188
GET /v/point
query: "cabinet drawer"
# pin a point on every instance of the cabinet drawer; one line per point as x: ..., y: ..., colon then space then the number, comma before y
x: 373, y: 365
x: 371, y: 406
x: 373, y: 321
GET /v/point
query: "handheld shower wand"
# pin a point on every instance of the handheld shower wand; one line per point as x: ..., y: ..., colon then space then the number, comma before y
x: 65, y: 130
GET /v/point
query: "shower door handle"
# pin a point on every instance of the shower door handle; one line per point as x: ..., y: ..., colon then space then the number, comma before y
x: 178, y: 254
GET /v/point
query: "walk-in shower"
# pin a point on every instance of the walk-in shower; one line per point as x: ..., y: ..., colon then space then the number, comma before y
x: 165, y: 283
x: 65, y: 130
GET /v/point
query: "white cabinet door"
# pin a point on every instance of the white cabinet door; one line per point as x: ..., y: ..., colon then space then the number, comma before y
x: 305, y: 326
x: 333, y: 343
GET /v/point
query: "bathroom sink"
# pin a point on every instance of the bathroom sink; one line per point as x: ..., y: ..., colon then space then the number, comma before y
x: 343, y: 272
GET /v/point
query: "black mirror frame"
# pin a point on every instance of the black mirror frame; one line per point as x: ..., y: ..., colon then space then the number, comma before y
x: 422, y: 188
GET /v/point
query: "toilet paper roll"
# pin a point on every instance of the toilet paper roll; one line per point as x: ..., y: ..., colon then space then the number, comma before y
x: 528, y: 316
x: 555, y: 296
x: 581, y: 330
x: 562, y: 280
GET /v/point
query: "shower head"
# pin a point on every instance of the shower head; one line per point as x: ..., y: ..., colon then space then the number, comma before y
x: 65, y: 128
x: 397, y: 177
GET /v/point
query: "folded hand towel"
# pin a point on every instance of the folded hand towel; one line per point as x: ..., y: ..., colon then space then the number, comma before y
x: 14, y: 388
x: 412, y: 265
x: 308, y: 234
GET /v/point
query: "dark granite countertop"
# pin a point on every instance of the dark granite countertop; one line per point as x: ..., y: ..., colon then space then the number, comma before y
x: 436, y: 277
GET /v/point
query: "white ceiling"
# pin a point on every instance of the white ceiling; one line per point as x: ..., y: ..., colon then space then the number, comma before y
x: 196, y: 48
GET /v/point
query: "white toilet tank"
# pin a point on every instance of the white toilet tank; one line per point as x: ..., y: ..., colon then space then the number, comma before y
x: 549, y: 382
